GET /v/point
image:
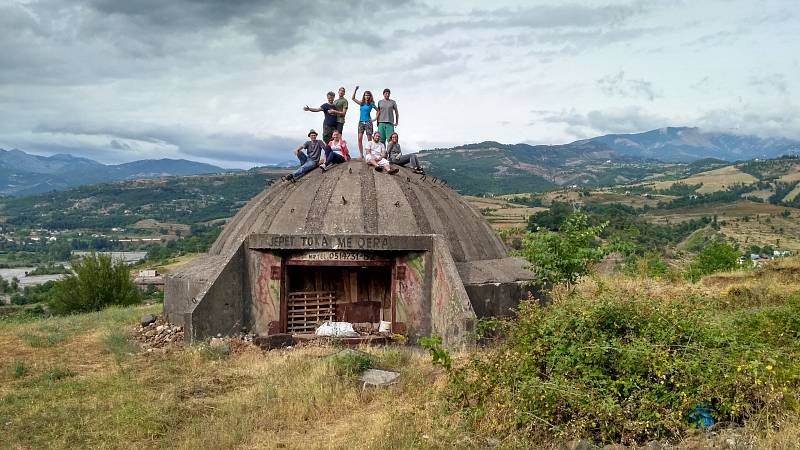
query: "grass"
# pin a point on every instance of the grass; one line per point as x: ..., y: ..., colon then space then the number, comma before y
x: 92, y: 387
x: 713, y: 180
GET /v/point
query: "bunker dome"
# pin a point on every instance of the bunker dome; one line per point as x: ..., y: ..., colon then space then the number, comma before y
x: 354, y: 245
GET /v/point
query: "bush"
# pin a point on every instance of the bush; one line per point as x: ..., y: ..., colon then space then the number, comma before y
x: 650, y: 265
x: 351, y: 363
x: 563, y: 256
x: 97, y: 282
x: 630, y: 370
x: 715, y: 257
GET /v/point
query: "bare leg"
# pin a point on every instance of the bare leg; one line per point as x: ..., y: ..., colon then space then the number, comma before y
x: 360, y: 144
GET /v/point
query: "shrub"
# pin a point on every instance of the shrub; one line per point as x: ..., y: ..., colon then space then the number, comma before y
x: 98, y: 282
x: 650, y: 265
x: 563, y: 256
x: 630, y: 370
x: 351, y: 363
x: 716, y: 256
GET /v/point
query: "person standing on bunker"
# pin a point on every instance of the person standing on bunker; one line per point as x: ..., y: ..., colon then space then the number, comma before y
x: 396, y: 156
x: 329, y: 122
x: 335, y: 152
x: 310, y: 159
x: 366, y: 105
x: 376, y: 155
x: 341, y: 111
x: 388, y: 116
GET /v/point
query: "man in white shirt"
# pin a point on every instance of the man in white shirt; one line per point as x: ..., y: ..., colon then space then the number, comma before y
x: 375, y: 155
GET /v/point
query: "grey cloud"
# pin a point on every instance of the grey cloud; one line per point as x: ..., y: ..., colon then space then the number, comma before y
x: 190, y: 142
x: 618, y: 120
x: 619, y: 86
x: 774, y: 82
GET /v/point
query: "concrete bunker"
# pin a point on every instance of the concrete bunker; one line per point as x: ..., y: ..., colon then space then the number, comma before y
x: 350, y: 245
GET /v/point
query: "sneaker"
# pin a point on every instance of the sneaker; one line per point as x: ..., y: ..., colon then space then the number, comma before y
x: 393, y: 170
x: 290, y: 178
x: 323, y: 167
x: 418, y: 170
x: 378, y: 169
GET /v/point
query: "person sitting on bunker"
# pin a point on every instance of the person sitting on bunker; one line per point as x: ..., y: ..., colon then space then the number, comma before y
x: 396, y: 155
x: 310, y: 159
x: 376, y: 155
x: 335, y: 152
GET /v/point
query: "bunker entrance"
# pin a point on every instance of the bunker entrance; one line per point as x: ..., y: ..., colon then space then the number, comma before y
x: 321, y: 290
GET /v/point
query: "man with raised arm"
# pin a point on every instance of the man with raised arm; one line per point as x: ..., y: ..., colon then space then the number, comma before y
x: 329, y: 123
x: 388, y: 116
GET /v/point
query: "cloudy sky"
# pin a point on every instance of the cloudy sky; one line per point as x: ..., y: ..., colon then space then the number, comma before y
x: 224, y: 81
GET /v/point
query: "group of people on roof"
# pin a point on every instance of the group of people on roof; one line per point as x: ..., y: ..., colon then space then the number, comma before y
x: 382, y: 149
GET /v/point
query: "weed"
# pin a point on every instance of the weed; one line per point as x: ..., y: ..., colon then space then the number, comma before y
x: 118, y: 345
x: 351, y: 363
x: 19, y: 369
x: 43, y: 340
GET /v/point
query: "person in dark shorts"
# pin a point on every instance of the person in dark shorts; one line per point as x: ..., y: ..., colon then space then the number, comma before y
x: 388, y: 115
x: 366, y: 105
x: 396, y: 155
x: 329, y: 123
x: 308, y: 160
x: 341, y: 110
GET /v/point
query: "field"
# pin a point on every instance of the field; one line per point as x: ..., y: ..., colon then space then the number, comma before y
x: 712, y: 180
x: 80, y: 382
x: 502, y: 214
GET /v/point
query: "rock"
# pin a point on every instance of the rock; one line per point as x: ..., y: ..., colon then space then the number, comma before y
x: 160, y: 328
x: 654, y: 445
x: 377, y: 377
x: 578, y: 444
x: 147, y: 320
x: 274, y: 341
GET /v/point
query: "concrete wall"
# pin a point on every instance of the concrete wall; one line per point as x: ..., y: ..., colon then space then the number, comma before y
x: 219, y: 307
x: 263, y: 310
x: 452, y: 316
x: 182, y: 288
x: 499, y: 299
x: 413, y: 294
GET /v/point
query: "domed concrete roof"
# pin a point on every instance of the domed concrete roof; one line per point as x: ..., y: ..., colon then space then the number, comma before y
x: 352, y: 198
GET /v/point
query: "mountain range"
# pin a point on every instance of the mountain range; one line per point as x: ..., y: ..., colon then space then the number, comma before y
x: 473, y: 168
x: 24, y: 174
x: 686, y: 144
x: 601, y: 161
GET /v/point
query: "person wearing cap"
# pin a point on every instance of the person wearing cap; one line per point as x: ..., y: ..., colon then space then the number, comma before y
x: 388, y: 116
x: 310, y: 159
x: 376, y: 155
x: 395, y: 154
x: 329, y: 122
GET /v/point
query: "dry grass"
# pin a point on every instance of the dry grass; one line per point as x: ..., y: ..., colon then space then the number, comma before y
x: 713, y: 180
x: 174, y: 263
x: 502, y: 214
x: 74, y: 393
x: 70, y: 388
x: 152, y: 224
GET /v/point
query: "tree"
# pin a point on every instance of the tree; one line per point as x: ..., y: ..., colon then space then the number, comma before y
x: 717, y: 256
x: 563, y: 256
x: 98, y: 282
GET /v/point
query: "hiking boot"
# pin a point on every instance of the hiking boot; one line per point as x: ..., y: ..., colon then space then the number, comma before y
x: 393, y: 170
x: 378, y: 169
